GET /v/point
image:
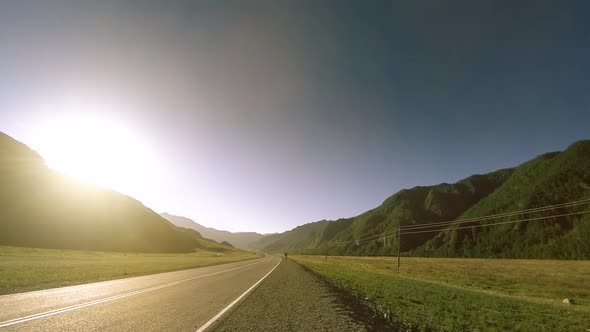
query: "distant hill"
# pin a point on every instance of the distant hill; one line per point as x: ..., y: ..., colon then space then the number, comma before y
x: 242, y: 240
x: 296, y: 240
x: 43, y: 208
x: 549, y: 179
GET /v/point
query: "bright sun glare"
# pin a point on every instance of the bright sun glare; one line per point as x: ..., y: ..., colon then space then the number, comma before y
x: 96, y: 150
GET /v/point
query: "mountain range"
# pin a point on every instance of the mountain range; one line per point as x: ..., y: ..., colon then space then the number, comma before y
x: 242, y: 240
x: 43, y: 208
x: 550, y: 179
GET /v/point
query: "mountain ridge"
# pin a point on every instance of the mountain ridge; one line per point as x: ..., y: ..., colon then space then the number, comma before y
x: 242, y: 240
x: 42, y: 208
x: 550, y: 178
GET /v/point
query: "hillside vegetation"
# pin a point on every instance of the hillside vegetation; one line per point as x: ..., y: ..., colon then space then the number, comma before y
x: 42, y: 208
x: 549, y: 179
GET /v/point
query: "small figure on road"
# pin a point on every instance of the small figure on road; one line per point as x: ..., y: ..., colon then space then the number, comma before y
x: 286, y: 258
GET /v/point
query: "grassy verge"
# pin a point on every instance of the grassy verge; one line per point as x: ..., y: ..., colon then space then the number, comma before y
x: 467, y: 294
x: 27, y: 269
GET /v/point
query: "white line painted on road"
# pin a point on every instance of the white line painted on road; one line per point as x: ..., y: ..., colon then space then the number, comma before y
x: 116, y: 297
x: 212, y: 320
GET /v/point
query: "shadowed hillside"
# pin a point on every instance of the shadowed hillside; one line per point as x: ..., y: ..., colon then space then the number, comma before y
x: 42, y: 208
x: 549, y: 179
x: 242, y: 240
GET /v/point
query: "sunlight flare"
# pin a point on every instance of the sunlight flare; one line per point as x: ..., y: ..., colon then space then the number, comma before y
x: 96, y: 150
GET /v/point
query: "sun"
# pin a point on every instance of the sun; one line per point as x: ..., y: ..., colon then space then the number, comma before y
x: 96, y: 150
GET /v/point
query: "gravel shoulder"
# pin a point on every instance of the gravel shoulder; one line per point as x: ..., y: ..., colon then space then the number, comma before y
x: 294, y: 299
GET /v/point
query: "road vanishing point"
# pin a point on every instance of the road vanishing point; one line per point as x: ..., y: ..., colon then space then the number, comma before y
x: 187, y: 300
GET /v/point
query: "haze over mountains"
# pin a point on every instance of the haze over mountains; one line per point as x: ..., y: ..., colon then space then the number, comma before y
x: 549, y: 179
x: 43, y: 208
x: 243, y: 240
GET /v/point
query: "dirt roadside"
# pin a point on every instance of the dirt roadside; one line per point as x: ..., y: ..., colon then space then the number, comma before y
x: 294, y: 299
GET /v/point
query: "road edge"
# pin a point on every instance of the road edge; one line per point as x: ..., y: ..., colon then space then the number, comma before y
x: 220, y: 314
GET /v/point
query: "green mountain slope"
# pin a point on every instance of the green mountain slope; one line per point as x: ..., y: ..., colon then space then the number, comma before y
x: 552, y: 178
x: 295, y: 240
x: 549, y: 179
x: 43, y: 208
x: 242, y: 240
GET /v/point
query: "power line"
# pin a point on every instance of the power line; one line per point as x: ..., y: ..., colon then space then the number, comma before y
x: 370, y: 237
x: 495, y: 216
x: 500, y: 223
x: 389, y: 233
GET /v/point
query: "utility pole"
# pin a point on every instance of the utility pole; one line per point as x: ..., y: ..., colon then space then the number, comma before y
x: 399, y: 238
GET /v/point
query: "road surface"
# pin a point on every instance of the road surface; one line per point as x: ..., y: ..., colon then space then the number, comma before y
x: 173, y: 301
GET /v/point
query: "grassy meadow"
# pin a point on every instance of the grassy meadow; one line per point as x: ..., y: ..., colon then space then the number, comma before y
x: 445, y: 294
x: 27, y: 269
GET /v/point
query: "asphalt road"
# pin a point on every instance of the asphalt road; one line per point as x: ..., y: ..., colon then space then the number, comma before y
x: 174, y: 301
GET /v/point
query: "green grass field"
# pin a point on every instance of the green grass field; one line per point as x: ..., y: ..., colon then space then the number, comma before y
x: 467, y: 294
x: 27, y: 269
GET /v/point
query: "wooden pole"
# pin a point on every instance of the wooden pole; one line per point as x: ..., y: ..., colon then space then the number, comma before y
x: 399, y: 238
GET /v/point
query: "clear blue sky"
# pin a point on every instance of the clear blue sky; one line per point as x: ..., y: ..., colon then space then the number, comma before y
x: 271, y: 114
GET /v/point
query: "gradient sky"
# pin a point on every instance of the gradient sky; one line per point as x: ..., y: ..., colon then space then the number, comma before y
x: 264, y: 115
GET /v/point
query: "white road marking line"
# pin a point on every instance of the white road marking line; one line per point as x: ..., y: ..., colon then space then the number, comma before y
x: 112, y: 298
x: 212, y: 320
